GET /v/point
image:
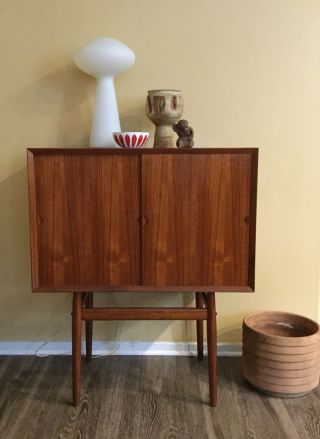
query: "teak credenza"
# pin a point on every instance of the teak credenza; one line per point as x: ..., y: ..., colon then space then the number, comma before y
x: 143, y: 220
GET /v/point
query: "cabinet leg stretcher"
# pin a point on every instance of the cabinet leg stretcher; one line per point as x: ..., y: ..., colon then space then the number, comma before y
x: 83, y: 310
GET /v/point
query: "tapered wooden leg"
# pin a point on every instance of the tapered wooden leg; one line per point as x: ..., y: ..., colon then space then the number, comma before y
x: 199, y: 304
x: 76, y: 347
x: 89, y: 325
x: 212, y: 347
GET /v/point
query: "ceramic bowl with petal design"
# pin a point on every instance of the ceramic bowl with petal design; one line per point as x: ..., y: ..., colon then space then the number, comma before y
x: 131, y: 139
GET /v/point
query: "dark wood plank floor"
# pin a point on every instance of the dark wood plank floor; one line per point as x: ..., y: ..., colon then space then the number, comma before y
x: 144, y: 397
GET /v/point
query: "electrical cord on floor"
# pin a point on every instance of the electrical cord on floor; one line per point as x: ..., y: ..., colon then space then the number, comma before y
x: 118, y: 333
x: 117, y: 347
x: 38, y: 354
x: 40, y: 347
x: 66, y: 299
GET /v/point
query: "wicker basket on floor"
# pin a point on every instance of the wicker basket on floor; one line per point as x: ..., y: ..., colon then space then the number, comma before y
x: 281, y: 353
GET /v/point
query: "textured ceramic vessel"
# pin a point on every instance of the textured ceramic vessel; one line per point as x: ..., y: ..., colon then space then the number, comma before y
x: 281, y: 353
x: 164, y: 108
x: 104, y: 58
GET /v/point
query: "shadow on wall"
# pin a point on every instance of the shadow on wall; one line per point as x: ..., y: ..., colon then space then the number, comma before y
x: 46, y: 317
x: 57, y: 108
x: 64, y: 102
x: 136, y: 120
x: 59, y: 104
x: 131, y: 121
x: 23, y: 316
x: 232, y: 333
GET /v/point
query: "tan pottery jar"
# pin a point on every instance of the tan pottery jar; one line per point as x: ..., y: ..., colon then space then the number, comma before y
x: 164, y: 108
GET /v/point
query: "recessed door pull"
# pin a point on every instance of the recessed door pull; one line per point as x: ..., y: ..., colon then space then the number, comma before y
x: 143, y: 220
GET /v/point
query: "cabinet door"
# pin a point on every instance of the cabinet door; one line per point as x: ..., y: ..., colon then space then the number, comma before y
x: 196, y: 211
x: 84, y: 221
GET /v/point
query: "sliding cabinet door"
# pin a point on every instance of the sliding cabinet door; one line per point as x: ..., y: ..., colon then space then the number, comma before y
x: 196, y: 210
x: 84, y: 220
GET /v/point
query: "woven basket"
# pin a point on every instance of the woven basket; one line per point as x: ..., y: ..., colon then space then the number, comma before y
x: 281, y: 353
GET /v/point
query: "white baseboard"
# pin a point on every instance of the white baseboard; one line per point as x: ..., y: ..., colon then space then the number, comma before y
x: 101, y: 348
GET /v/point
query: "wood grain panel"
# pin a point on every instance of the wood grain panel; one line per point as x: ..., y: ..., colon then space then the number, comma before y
x: 88, y: 231
x: 85, y: 214
x: 196, y: 211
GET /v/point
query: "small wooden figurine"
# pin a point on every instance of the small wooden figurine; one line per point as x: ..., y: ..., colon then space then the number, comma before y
x: 185, y: 134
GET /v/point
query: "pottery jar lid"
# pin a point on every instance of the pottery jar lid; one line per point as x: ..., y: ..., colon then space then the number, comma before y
x: 164, y: 91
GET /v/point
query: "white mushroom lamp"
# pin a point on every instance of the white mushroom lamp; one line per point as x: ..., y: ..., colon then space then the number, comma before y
x: 104, y: 58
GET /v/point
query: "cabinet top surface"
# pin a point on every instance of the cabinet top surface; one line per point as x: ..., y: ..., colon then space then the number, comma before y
x: 142, y: 150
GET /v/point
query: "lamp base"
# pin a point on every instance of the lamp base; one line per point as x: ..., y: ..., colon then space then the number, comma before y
x: 105, y: 117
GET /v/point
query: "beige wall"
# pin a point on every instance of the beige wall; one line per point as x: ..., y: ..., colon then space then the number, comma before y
x: 250, y: 72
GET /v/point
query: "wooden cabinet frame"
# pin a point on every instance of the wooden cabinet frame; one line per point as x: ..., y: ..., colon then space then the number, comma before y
x: 143, y: 220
